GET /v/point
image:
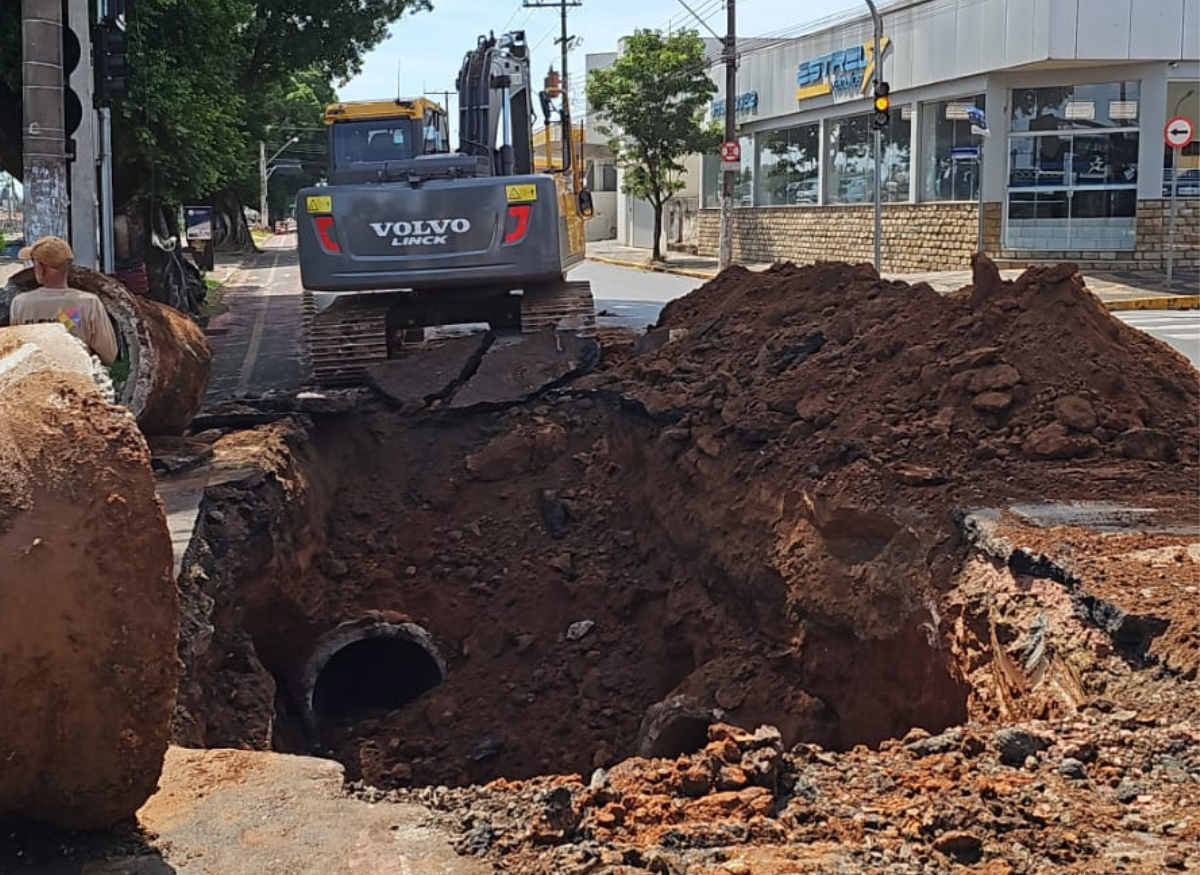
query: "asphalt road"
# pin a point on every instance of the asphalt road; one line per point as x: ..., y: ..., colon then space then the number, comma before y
x: 1179, y: 328
x: 631, y: 298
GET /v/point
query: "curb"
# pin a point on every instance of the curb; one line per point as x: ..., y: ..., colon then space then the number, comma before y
x: 1158, y: 302
x: 653, y: 268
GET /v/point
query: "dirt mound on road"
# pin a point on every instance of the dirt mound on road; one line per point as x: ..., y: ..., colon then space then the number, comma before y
x: 838, y: 365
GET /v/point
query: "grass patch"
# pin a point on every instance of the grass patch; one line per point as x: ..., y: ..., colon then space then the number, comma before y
x: 119, y: 372
x: 214, y: 300
x: 260, y: 237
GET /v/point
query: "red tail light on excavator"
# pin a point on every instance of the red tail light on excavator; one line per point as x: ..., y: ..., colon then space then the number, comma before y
x: 327, y: 233
x: 518, y: 223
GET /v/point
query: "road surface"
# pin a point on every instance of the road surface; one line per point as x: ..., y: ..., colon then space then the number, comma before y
x: 1179, y: 328
x: 631, y: 298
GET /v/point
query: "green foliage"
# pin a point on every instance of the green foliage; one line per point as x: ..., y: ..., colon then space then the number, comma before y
x: 653, y: 100
x: 293, y: 108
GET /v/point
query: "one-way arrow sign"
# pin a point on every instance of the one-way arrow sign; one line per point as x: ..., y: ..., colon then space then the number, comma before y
x: 1178, y: 132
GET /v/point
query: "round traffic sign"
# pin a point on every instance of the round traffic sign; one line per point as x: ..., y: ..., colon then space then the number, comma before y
x: 1178, y: 132
x: 731, y: 151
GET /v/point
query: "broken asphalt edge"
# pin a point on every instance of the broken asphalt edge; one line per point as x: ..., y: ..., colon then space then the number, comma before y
x: 1154, y: 302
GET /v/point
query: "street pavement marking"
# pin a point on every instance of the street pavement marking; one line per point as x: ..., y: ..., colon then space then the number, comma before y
x: 243, y: 383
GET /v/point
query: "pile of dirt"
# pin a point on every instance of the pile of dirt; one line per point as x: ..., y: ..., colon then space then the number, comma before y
x: 830, y: 364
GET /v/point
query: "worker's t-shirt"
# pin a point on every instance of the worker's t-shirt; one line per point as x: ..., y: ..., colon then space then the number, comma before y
x: 81, y: 313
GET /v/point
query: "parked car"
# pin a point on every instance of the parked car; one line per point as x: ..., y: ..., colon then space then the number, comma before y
x: 1188, y: 184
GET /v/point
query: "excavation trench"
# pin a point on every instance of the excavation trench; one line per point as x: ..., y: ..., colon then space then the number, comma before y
x: 524, y: 593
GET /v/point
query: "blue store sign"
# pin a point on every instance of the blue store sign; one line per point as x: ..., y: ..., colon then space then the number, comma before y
x: 743, y: 104
x: 845, y: 74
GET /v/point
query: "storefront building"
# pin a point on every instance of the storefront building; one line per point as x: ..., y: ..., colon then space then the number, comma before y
x: 1076, y: 94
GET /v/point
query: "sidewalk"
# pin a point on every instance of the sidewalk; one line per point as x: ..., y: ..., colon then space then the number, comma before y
x: 1118, y: 290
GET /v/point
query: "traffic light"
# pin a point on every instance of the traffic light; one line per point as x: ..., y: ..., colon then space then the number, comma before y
x: 72, y: 105
x: 108, y: 48
x: 881, y: 115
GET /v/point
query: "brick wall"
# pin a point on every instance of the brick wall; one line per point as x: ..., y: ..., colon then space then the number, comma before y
x: 921, y: 237
x: 916, y: 237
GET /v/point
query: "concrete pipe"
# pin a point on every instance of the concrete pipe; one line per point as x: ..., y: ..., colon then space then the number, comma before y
x: 674, y: 727
x: 367, y: 664
x: 169, y: 360
x: 88, y: 606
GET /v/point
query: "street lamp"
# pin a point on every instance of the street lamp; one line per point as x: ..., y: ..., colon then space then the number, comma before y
x: 262, y: 174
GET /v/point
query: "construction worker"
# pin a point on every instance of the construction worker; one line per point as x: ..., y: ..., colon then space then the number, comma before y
x: 81, y: 313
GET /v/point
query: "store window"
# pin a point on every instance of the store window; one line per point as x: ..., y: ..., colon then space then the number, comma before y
x: 850, y: 159
x: 743, y: 185
x: 1073, y: 167
x: 948, y: 172
x: 710, y: 181
x: 600, y: 176
x: 1182, y: 166
x: 789, y: 165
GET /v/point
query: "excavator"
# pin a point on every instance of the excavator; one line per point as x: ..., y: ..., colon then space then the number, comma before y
x: 407, y: 234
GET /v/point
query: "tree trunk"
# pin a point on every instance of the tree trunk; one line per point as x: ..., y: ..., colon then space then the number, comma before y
x: 151, y: 237
x: 658, y: 211
x: 230, y: 231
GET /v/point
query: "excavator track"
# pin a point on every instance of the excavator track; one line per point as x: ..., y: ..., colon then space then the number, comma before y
x: 351, y: 334
x: 565, y: 306
x: 345, y: 339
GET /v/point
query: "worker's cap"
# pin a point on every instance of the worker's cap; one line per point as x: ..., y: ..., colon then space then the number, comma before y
x: 50, y: 251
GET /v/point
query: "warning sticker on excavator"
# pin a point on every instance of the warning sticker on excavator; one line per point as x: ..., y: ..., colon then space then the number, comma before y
x: 320, y: 204
x: 517, y: 193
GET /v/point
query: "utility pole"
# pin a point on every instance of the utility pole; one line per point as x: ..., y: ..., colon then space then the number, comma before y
x: 445, y: 94
x: 729, y: 174
x: 878, y: 140
x: 46, y: 203
x: 83, y: 170
x: 565, y: 124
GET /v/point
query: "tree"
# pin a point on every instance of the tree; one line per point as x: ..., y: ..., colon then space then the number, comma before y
x: 653, y: 99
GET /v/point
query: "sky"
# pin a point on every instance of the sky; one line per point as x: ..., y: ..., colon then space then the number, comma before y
x: 429, y: 46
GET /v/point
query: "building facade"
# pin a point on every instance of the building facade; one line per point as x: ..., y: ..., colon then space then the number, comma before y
x: 1076, y: 95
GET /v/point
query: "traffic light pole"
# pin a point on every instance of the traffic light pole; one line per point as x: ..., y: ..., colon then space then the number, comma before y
x: 107, y: 208
x: 878, y: 141
x: 83, y: 168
